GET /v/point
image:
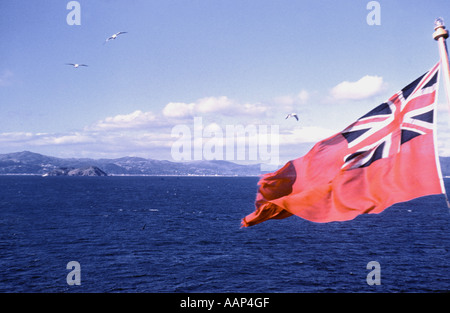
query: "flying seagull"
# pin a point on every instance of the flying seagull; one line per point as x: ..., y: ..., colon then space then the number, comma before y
x: 292, y: 115
x: 114, y: 36
x: 76, y: 65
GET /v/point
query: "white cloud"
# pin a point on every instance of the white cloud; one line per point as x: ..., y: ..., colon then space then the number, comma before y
x: 15, y: 137
x: 42, y: 139
x: 252, y: 109
x: 136, y: 119
x: 366, y: 87
x: 178, y: 109
x: 66, y: 139
x: 213, y: 105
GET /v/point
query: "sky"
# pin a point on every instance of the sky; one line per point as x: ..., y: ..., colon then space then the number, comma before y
x: 188, y: 73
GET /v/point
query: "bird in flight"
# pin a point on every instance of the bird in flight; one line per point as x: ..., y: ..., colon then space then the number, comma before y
x: 76, y: 65
x: 112, y: 37
x: 292, y: 115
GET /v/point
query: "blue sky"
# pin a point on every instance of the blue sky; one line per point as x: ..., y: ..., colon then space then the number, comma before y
x: 234, y: 62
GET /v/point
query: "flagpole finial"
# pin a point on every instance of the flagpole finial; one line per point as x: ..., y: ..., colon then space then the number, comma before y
x: 439, y: 29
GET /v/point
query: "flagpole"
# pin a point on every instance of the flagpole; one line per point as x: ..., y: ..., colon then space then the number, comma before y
x: 440, y: 35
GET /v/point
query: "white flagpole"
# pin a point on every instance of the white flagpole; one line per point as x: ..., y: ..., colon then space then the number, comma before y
x: 440, y: 35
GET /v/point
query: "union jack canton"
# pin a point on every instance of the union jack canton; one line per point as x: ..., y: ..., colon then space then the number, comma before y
x: 382, y: 132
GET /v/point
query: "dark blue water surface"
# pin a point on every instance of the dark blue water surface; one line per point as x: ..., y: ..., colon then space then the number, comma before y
x: 182, y: 234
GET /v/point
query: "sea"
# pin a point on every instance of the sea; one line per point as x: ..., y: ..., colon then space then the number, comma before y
x: 158, y: 234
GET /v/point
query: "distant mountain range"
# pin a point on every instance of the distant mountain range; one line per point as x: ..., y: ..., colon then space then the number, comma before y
x: 30, y: 163
x: 27, y: 162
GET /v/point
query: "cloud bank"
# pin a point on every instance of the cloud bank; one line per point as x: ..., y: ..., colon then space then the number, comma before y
x: 149, y: 133
x: 144, y: 133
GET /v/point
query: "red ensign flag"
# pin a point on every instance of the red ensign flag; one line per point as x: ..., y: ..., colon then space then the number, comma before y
x: 386, y: 156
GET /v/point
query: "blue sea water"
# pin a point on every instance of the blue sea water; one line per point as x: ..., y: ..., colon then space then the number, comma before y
x: 182, y: 234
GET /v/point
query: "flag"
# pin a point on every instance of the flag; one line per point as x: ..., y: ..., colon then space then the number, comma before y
x: 385, y: 157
